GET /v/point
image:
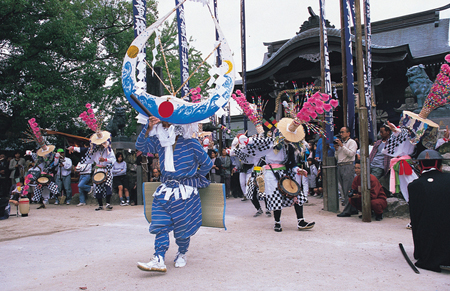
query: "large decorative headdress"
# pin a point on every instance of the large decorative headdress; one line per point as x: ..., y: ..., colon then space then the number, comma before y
x: 316, y: 104
x: 170, y: 108
x: 418, y: 124
x: 95, y: 124
x: 34, y: 134
x: 253, y: 113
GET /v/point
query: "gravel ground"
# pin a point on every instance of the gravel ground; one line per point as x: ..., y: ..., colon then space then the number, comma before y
x: 66, y: 247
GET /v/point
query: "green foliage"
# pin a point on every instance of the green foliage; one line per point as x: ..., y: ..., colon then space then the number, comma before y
x: 169, y: 40
x: 56, y: 56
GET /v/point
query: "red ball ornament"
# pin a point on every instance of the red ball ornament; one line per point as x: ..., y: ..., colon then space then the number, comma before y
x: 165, y: 109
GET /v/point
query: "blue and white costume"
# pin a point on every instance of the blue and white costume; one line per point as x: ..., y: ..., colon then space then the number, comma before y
x: 176, y: 205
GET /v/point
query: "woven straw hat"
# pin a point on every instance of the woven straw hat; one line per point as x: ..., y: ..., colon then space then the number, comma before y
x: 45, y: 150
x: 291, y: 129
x: 100, y: 137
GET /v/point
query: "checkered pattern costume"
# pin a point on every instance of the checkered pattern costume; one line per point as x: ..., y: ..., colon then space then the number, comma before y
x: 93, y: 155
x: 275, y: 200
x: 250, y: 190
x: 39, y: 189
x: 398, y: 144
x: 47, y: 165
x: 263, y: 147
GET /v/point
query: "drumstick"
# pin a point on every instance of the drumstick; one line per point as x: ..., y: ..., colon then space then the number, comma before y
x: 141, y: 105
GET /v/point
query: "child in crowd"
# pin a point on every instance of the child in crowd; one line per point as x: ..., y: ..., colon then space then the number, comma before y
x: 312, y: 175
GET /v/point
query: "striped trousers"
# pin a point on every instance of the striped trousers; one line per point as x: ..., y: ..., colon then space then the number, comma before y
x: 183, y: 217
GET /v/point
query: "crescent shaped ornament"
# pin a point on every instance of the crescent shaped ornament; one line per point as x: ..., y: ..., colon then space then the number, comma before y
x: 170, y: 108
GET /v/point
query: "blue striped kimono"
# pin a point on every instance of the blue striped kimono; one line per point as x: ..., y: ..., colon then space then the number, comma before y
x: 172, y: 210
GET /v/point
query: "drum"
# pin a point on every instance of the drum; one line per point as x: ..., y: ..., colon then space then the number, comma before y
x: 24, y: 206
x: 99, y: 178
x: 289, y: 187
x: 43, y: 180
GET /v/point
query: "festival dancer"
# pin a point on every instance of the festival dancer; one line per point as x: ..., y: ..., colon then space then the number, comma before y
x: 100, y: 153
x: 248, y: 183
x: 280, y: 161
x: 46, y: 160
x: 176, y: 205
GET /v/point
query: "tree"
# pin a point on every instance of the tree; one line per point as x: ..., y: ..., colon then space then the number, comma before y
x: 56, y: 56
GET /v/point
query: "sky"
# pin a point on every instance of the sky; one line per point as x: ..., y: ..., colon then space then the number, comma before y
x: 273, y: 20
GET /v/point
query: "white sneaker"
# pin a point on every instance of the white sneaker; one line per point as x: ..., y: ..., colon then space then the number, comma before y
x: 122, y: 203
x: 81, y: 204
x: 156, y: 264
x: 180, y: 260
x: 56, y: 202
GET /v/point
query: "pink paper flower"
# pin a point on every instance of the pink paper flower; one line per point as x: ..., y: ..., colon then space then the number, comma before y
x: 32, y: 120
x: 26, y: 187
x: 327, y: 107
x: 334, y: 103
x: 90, y: 111
x: 447, y: 58
x: 88, y: 105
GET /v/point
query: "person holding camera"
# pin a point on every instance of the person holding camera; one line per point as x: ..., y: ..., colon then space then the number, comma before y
x: 64, y: 169
x: 377, y: 196
x: 345, y: 155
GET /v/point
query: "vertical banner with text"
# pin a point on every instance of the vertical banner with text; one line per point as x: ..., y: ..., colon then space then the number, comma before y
x: 140, y: 24
x: 348, y: 19
x: 368, y: 67
x: 183, y: 49
x: 327, y: 86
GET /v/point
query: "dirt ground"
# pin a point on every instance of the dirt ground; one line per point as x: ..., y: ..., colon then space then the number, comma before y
x: 67, y: 248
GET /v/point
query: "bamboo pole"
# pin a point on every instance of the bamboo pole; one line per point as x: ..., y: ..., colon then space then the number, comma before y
x: 363, y: 121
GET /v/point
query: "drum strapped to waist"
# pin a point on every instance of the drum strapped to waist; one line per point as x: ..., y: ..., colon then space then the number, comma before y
x: 286, y: 185
x: 44, y: 179
x: 99, y: 176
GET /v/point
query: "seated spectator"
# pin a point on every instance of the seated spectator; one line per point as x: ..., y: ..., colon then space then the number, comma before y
x: 16, y: 192
x: 377, y: 196
x: 156, y: 176
x: 379, y: 162
x: 120, y: 180
x: 443, y: 141
x: 318, y: 190
x: 4, y: 176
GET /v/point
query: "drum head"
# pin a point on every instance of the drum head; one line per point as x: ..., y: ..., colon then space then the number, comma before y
x: 290, y: 185
x: 43, y: 180
x: 99, y: 177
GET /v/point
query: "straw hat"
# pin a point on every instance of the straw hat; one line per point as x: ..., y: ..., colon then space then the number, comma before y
x: 100, y: 137
x: 291, y: 129
x: 45, y: 150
